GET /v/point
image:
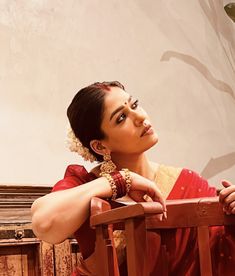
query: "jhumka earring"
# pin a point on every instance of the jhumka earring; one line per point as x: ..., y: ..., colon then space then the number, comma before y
x: 107, y: 166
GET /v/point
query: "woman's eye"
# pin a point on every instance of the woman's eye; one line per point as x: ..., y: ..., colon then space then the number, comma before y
x: 121, y: 118
x: 135, y: 104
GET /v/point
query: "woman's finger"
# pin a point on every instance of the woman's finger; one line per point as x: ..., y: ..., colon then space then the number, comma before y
x: 226, y: 183
x: 233, y: 211
x: 229, y: 199
x: 142, y: 184
x: 137, y: 196
x: 226, y: 191
x: 156, y: 195
x: 231, y: 206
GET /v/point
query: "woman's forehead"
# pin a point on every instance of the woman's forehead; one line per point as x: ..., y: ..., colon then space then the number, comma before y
x: 116, y: 96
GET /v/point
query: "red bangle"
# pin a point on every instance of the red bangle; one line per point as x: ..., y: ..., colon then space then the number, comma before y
x: 120, y: 183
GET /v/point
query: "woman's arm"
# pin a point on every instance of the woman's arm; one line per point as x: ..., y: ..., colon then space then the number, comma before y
x: 57, y: 215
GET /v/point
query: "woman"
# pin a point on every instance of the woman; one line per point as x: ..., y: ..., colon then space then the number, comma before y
x: 109, y: 126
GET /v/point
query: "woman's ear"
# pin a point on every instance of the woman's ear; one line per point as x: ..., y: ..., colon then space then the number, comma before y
x: 98, y: 147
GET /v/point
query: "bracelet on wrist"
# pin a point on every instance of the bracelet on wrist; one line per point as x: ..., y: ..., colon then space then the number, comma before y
x: 128, y: 179
x: 112, y: 184
x: 120, y: 185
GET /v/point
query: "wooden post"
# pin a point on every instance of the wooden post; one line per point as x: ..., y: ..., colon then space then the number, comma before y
x: 204, y: 251
x: 104, y: 252
x: 135, y: 229
x: 63, y: 258
x: 46, y: 259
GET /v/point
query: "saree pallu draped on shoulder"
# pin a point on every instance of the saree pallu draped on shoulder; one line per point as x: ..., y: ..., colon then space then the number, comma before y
x: 181, y: 246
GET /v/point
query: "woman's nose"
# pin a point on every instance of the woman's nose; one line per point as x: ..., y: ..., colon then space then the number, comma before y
x: 139, y: 117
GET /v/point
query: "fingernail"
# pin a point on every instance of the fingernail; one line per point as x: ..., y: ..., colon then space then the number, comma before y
x: 165, y: 214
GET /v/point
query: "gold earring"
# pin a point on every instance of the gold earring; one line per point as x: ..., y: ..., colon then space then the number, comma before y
x: 107, y: 166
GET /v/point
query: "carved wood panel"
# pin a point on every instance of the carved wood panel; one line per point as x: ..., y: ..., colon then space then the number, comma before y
x: 19, y: 260
x: 21, y: 253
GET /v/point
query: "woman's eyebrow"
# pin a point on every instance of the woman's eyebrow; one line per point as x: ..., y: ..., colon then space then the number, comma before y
x: 118, y: 109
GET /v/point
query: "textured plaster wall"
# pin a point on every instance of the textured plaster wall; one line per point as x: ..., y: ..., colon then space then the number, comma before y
x: 177, y: 57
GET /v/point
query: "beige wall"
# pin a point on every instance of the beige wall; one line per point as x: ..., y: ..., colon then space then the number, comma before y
x: 177, y: 57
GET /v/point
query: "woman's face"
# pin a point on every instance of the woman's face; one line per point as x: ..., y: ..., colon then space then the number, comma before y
x: 126, y: 125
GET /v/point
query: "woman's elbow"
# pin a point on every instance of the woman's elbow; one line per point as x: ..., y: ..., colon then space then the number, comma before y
x: 43, y: 230
x: 42, y: 227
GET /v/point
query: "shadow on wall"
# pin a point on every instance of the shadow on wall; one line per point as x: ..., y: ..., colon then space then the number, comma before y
x: 218, y: 22
x: 201, y: 68
x: 222, y: 163
x: 219, y: 164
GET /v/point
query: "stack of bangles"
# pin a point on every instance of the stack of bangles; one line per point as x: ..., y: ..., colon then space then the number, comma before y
x: 120, y: 185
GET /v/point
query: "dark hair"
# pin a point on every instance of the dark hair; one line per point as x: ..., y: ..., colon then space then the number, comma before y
x: 85, y: 113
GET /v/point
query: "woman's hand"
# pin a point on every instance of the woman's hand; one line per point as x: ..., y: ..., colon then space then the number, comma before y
x: 142, y: 186
x: 227, y: 197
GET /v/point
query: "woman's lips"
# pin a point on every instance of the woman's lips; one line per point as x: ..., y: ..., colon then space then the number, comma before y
x: 147, y: 130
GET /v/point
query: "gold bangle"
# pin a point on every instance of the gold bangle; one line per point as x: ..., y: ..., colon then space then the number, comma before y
x: 127, y: 179
x: 112, y: 184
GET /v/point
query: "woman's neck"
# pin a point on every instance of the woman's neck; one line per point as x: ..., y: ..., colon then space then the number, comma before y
x: 136, y: 163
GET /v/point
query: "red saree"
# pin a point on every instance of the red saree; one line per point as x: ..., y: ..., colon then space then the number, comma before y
x: 180, y: 244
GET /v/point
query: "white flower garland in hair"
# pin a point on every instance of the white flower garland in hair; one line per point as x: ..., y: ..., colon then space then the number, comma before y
x: 75, y: 145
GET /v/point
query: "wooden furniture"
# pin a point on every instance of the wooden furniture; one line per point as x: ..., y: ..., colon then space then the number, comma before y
x: 21, y: 253
x: 139, y: 218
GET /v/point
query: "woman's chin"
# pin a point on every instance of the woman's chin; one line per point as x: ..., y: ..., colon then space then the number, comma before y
x: 153, y: 142
x: 155, y: 139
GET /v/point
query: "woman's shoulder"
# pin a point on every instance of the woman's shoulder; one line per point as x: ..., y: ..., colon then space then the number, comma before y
x: 75, y: 175
x: 169, y: 171
x: 75, y: 170
x: 166, y: 177
x: 172, y: 174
